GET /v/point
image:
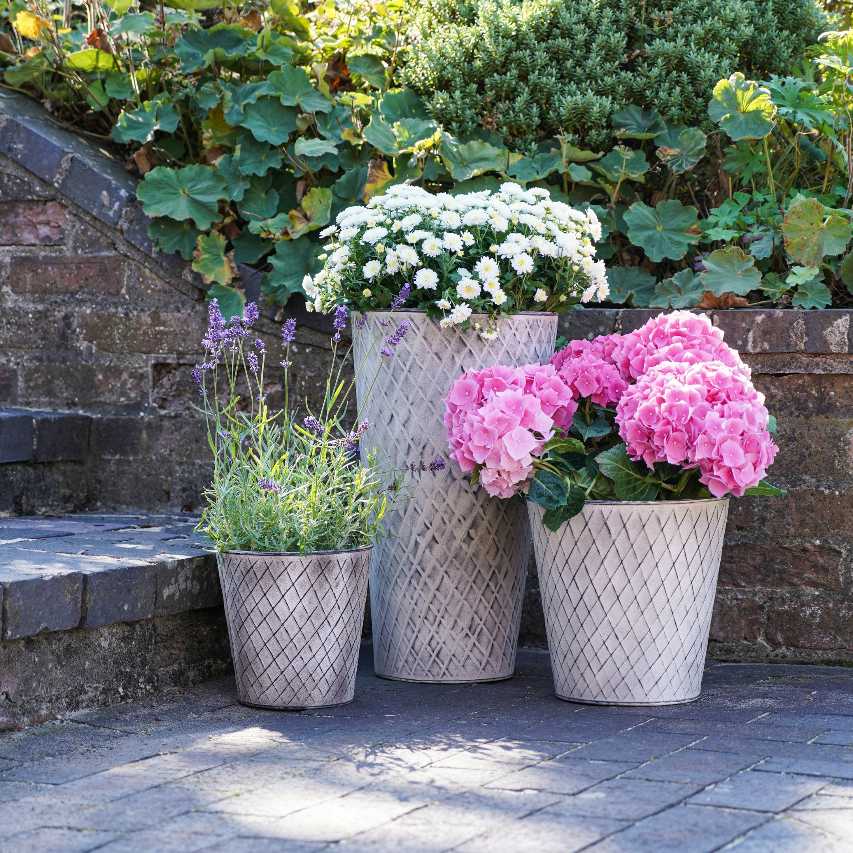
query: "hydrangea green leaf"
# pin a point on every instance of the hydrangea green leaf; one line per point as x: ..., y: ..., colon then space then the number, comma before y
x: 269, y: 121
x: 680, y: 148
x: 730, y: 270
x: 466, y: 160
x: 622, y: 164
x: 292, y: 261
x: 682, y: 290
x: 174, y: 237
x: 597, y: 428
x: 664, y: 231
x: 631, y: 480
x: 537, y: 167
x: 742, y: 108
x: 811, y: 232
x: 210, y: 260
x: 764, y: 490
x: 635, y: 123
x: 293, y: 88
x: 630, y: 285
x: 141, y: 124
x: 548, y: 489
x: 369, y: 67
x: 555, y: 518
x: 192, y: 192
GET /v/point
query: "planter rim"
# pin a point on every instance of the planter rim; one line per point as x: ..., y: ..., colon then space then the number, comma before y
x: 296, y: 553
x: 692, y: 501
x: 421, y: 311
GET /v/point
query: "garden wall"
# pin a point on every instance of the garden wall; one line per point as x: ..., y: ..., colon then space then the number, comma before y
x: 97, y: 334
x: 786, y: 581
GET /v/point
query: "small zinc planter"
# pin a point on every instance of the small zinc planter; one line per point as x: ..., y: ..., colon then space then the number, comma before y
x: 627, y: 590
x: 447, y: 580
x: 294, y: 622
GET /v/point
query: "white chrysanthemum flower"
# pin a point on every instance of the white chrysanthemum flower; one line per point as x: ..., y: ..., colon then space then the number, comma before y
x: 339, y: 257
x: 541, y: 295
x: 499, y: 297
x: 491, y: 285
x: 602, y: 290
x: 367, y: 293
x: 468, y: 238
x: 311, y: 289
x: 487, y: 268
x: 426, y: 279
x: 431, y: 247
x: 460, y: 314
x: 392, y: 262
x: 371, y: 269
x: 510, y: 188
x: 407, y: 256
x: 373, y: 235
x: 348, y: 233
x: 411, y: 221
x: 476, y: 216
x: 499, y: 223
x: 594, y: 224
x: 418, y: 235
x: 328, y: 231
x: 522, y: 264
x: 453, y: 242
x: 468, y: 288
x: 445, y: 323
x: 589, y: 294
x: 489, y: 334
x: 443, y: 304
x: 450, y: 219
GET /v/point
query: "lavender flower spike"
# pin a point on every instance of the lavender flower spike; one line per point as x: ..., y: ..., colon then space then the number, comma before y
x: 339, y: 323
x: 251, y: 313
x: 266, y: 484
x: 400, y: 299
x: 393, y: 340
x: 312, y: 425
x: 288, y: 331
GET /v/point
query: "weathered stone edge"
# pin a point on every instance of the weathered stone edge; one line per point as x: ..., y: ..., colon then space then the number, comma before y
x: 105, y: 594
x: 828, y: 331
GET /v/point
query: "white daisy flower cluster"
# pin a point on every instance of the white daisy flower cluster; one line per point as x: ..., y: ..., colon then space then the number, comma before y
x: 485, y: 252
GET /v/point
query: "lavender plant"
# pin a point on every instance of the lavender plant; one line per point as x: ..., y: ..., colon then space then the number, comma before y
x: 281, y: 482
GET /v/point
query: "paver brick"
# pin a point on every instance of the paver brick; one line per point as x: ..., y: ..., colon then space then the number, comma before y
x: 750, y: 790
x: 562, y: 776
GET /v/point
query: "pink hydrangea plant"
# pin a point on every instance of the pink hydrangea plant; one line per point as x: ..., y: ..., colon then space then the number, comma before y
x: 500, y: 418
x: 706, y: 415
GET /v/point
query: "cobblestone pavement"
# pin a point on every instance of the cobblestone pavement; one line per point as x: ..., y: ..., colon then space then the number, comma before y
x: 764, y: 761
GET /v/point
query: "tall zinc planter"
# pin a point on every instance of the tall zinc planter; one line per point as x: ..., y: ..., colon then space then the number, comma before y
x: 294, y: 621
x: 627, y: 590
x: 447, y: 580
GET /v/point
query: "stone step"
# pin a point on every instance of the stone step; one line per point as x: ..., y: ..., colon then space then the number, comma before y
x: 97, y: 608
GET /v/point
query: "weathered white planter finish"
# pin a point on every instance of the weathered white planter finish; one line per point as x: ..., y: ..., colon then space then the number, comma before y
x: 627, y: 590
x: 447, y: 580
x: 294, y: 621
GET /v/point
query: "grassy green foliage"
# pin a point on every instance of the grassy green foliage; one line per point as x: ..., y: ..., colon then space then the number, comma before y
x: 533, y: 69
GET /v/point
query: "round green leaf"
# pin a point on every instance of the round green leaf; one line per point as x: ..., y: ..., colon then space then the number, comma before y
x: 192, y: 192
x: 742, y: 108
x: 630, y: 286
x: 173, y: 237
x: 680, y: 148
x: 635, y: 123
x: 369, y: 67
x: 466, y: 160
x: 231, y: 300
x: 269, y: 121
x: 622, y: 164
x: 664, y: 231
x: 845, y: 271
x: 730, y: 270
x: 292, y: 261
x: 91, y: 60
x: 812, y: 294
x: 683, y: 290
x: 306, y: 147
x: 210, y: 260
x: 537, y: 167
x: 811, y: 232
x: 293, y: 88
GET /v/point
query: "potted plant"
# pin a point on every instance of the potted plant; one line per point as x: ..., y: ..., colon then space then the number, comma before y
x: 449, y: 283
x: 628, y: 447
x: 293, y: 513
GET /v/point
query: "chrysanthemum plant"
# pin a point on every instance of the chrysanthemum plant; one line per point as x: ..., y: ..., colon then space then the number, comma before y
x: 480, y: 253
x: 282, y: 482
x: 667, y: 412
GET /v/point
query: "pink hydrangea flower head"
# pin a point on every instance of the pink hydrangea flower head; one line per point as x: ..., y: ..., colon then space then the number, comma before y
x: 555, y: 397
x: 591, y: 376
x: 706, y: 415
x: 679, y: 336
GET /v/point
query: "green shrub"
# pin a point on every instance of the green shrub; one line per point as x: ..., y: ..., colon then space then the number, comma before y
x: 531, y: 69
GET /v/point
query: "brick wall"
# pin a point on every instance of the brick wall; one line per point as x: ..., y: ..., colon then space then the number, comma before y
x: 786, y: 579
x: 93, y: 321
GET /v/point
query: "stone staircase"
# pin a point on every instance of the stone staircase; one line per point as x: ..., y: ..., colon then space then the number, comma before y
x: 97, y: 608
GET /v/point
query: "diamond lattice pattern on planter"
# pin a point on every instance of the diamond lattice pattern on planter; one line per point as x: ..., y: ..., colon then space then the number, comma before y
x: 628, y: 590
x: 448, y: 579
x: 295, y: 625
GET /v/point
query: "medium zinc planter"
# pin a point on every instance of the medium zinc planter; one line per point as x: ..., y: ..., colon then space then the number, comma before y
x: 294, y: 621
x: 627, y: 590
x: 447, y: 579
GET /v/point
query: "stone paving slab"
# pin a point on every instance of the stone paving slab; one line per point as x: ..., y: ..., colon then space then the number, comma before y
x: 421, y: 768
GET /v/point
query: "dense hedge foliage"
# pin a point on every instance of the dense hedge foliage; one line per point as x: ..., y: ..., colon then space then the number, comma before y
x: 531, y: 69
x: 252, y: 125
